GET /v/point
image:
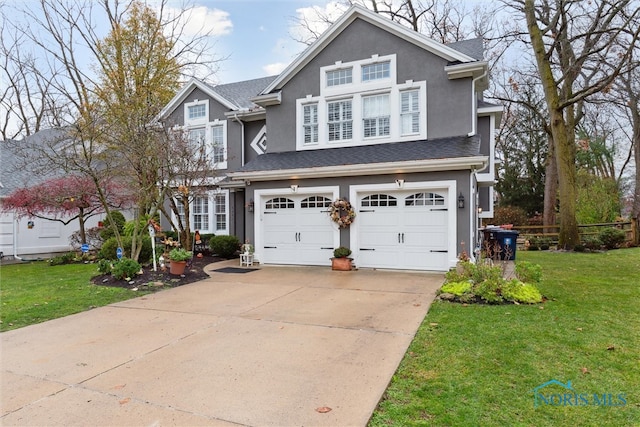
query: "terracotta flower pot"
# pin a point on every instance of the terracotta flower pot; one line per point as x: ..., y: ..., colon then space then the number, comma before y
x: 177, y: 267
x: 341, y: 264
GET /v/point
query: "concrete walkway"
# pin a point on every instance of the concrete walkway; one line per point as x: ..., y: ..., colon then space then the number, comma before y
x: 266, y: 348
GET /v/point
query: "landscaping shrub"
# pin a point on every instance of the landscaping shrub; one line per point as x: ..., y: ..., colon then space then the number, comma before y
x: 119, y: 219
x: 515, y: 290
x: 611, y: 237
x: 528, y: 272
x: 456, y: 288
x: 509, y: 215
x: 93, y: 237
x: 105, y: 266
x: 109, y: 247
x: 484, y: 282
x: 125, y: 268
x: 67, y: 258
x: 592, y: 243
x: 224, y: 246
x: 490, y: 290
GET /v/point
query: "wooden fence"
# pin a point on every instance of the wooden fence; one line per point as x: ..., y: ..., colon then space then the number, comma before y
x: 631, y: 229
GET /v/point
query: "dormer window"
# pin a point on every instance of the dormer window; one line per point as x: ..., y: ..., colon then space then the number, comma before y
x: 339, y: 77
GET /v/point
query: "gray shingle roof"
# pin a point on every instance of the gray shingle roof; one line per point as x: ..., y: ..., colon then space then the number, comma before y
x: 13, y: 174
x: 472, y: 47
x: 240, y: 93
x: 440, y: 148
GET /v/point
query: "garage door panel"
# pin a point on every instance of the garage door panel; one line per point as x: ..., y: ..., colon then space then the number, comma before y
x: 410, y: 233
x: 296, y: 229
x: 316, y: 238
x: 379, y: 258
x: 379, y: 239
x: 424, y: 218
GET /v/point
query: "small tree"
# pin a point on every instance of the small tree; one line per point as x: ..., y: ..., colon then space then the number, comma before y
x: 63, y: 199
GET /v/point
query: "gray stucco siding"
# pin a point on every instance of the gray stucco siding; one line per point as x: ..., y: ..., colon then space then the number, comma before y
x: 448, y: 101
x: 484, y: 129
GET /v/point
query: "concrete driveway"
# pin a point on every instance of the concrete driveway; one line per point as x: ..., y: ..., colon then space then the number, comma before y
x: 270, y: 347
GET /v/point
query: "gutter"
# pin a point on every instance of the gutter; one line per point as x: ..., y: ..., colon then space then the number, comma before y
x: 413, y: 166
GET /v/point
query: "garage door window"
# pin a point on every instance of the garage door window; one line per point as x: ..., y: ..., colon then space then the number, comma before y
x: 279, y: 203
x: 316, y: 202
x: 377, y: 200
x: 424, y: 199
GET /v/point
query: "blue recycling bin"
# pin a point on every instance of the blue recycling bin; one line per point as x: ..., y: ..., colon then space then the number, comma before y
x: 507, y: 242
x: 502, y: 243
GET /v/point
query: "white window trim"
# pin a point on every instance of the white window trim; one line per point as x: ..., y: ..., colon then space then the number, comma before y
x: 225, y: 145
x: 358, y: 139
x: 357, y: 85
x: 211, y: 226
x: 199, y: 121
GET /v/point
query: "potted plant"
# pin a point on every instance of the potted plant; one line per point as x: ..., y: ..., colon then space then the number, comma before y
x: 341, y: 260
x: 179, y: 258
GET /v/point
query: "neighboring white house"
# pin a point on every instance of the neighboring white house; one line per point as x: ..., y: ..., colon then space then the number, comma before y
x: 30, y: 238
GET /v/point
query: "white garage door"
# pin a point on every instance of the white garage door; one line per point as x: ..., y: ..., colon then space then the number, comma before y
x: 297, y: 230
x: 403, y: 229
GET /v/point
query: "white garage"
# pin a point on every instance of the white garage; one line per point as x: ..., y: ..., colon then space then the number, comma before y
x: 295, y: 228
x: 409, y: 228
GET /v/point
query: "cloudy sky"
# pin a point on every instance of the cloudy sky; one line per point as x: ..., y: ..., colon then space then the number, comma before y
x: 255, y: 35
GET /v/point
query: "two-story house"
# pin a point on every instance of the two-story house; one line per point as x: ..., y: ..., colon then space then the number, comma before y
x: 372, y: 113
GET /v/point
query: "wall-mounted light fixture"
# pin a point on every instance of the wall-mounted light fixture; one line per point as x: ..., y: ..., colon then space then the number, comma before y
x: 247, y: 182
x: 400, y: 183
x: 479, y: 210
x: 461, y: 201
x: 250, y: 205
x: 294, y: 188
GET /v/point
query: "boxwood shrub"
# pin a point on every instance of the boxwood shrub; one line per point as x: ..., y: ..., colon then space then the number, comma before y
x: 224, y: 246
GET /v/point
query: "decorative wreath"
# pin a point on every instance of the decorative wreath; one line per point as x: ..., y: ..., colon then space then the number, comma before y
x: 341, y: 212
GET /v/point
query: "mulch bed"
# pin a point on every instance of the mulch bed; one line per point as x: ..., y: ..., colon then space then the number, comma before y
x: 150, y: 280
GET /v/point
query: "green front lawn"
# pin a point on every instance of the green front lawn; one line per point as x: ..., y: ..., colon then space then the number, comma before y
x: 36, y: 292
x: 478, y: 365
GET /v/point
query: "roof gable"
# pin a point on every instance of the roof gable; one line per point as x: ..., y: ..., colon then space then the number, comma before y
x: 358, y: 12
x: 234, y: 96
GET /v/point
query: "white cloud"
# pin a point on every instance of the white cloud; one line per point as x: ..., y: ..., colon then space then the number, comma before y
x: 275, y: 68
x: 200, y: 20
x: 314, y: 20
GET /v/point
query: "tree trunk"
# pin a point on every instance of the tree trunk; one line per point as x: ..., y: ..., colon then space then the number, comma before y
x: 564, y: 144
x: 550, y: 189
x: 565, y: 151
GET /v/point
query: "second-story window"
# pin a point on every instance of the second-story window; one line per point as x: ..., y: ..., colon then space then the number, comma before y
x: 310, y: 123
x: 377, y: 71
x: 410, y: 112
x: 197, y: 140
x: 340, y: 120
x: 217, y: 142
x: 376, y: 112
x: 197, y: 111
x: 339, y: 77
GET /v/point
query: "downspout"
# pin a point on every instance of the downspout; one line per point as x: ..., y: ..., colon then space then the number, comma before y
x: 235, y: 117
x: 474, y: 104
x: 15, y: 238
